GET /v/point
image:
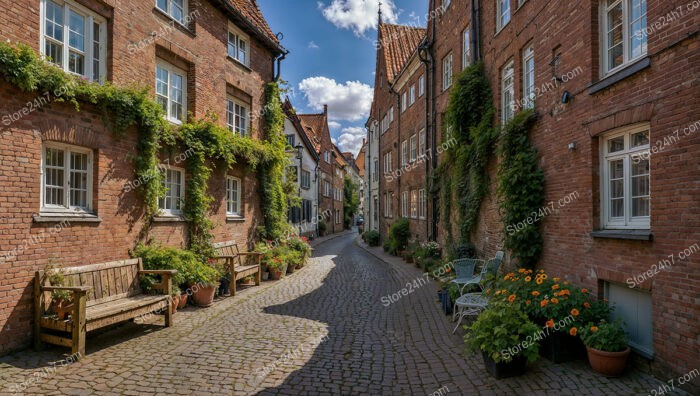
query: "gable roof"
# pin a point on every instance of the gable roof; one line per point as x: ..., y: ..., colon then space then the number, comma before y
x: 294, y: 118
x: 398, y: 43
x: 314, y: 126
x: 248, y: 13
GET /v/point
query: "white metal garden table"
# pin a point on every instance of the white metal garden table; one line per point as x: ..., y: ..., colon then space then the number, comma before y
x: 467, y: 305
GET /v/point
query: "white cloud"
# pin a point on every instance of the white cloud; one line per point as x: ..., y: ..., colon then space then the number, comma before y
x: 350, y: 101
x: 333, y: 124
x: 313, y: 45
x: 351, y: 139
x: 358, y: 15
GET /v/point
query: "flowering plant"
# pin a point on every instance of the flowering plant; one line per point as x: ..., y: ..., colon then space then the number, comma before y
x: 604, y: 336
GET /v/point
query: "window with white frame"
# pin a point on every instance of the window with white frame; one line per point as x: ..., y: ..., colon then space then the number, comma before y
x: 404, y: 102
x: 447, y: 72
x: 404, y: 152
x: 327, y: 156
x: 175, y: 8
x: 421, y: 203
x: 238, y: 45
x: 404, y: 204
x: 414, y: 204
x: 391, y: 114
x: 421, y: 142
x: 237, y: 116
x: 503, y: 13
x: 67, y: 178
x: 305, y: 179
x: 74, y: 38
x: 623, y: 38
x: 233, y: 196
x: 529, y: 77
x: 291, y: 140
x: 412, y: 95
x: 414, y: 147
x: 326, y: 188
x: 466, y: 49
x: 626, y: 190
x: 507, y: 93
x: 421, y: 85
x: 387, y: 162
x: 171, y: 91
x: 174, y: 183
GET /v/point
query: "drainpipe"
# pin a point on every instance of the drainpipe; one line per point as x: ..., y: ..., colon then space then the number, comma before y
x: 427, y: 60
x: 399, y: 152
x: 475, y: 27
x: 279, y: 58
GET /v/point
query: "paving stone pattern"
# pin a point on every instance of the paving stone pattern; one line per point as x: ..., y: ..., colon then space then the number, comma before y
x: 320, y: 331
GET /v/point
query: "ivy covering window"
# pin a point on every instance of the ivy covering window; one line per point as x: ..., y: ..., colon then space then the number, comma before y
x: 233, y: 196
x: 174, y: 182
x: 237, y: 117
x: 447, y: 72
x: 466, y: 49
x: 529, y: 77
x: 174, y: 8
x: 626, y: 191
x: 73, y: 38
x: 171, y: 91
x: 67, y: 178
x: 507, y: 93
x: 503, y: 15
x: 623, y: 39
x: 238, y: 45
x: 421, y: 203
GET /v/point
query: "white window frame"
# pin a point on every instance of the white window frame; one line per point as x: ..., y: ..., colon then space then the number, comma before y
x: 404, y: 152
x: 529, y: 77
x: 502, y: 14
x: 91, y: 18
x: 627, y: 36
x: 391, y: 116
x: 421, y: 85
x: 507, y: 92
x: 414, y: 204
x: 173, y: 212
x: 404, y: 101
x: 421, y: 142
x: 235, y: 104
x: 466, y: 48
x: 387, y: 162
x: 413, y: 148
x: 238, y: 38
x: 305, y: 179
x: 421, y: 204
x: 236, y: 212
x: 447, y: 72
x: 67, y: 150
x: 169, y: 11
x: 404, y: 204
x: 412, y: 95
x: 179, y: 72
x: 628, y: 155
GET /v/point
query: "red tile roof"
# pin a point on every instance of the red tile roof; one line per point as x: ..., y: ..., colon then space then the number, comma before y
x: 313, y: 124
x: 249, y: 13
x: 398, y: 42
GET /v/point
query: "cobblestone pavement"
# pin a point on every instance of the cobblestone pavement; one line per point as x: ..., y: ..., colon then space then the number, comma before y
x: 322, y: 330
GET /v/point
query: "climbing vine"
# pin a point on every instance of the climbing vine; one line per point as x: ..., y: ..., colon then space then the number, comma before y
x: 463, y: 174
x: 520, y: 188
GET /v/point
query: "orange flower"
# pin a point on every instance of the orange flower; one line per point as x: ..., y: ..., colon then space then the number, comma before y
x: 539, y: 281
x: 586, y: 304
x: 554, y: 301
x: 544, y: 276
x: 550, y: 323
x: 511, y: 298
x: 527, y: 302
x: 528, y: 279
x: 573, y: 331
x: 594, y: 328
x: 555, y: 287
x: 448, y: 270
x: 544, y: 303
x: 584, y: 291
x: 535, y: 293
x: 556, y: 279
x: 541, y: 271
x: 574, y: 312
x: 504, y: 291
x: 565, y: 292
x: 498, y: 292
x: 521, y: 270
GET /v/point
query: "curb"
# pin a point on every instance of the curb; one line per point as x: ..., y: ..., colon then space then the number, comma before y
x: 360, y: 244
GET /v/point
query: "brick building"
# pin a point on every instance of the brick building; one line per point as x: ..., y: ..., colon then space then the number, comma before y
x: 618, y: 140
x: 68, y: 182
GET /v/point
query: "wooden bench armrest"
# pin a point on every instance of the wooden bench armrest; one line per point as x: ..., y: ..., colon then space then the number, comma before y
x: 166, y: 282
x: 224, y: 256
x: 250, y: 253
x: 74, y: 289
x: 158, y: 272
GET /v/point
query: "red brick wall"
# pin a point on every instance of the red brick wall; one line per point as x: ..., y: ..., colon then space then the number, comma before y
x: 210, y: 75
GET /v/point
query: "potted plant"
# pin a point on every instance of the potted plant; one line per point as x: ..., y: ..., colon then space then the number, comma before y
x: 202, y: 281
x: 277, y: 268
x: 61, y: 300
x: 183, y: 300
x: 606, y: 344
x: 248, y: 281
x: 504, y: 336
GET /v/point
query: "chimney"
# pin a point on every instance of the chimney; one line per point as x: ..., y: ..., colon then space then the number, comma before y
x: 325, y: 109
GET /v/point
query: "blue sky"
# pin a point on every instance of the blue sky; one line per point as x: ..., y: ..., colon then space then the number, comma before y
x: 332, y: 55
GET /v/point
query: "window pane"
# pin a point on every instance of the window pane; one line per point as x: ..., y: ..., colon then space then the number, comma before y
x: 78, y: 180
x: 617, y: 144
x: 54, y: 21
x: 232, y: 45
x: 76, y: 31
x: 76, y: 63
x: 162, y: 4
x: 615, y: 43
x: 242, y: 51
x: 96, y: 52
x: 640, y: 139
x: 640, y: 189
x: 54, y: 52
x: 53, y: 178
x: 617, y: 188
x: 177, y: 10
x: 162, y: 79
x: 638, y: 24
x: 176, y: 96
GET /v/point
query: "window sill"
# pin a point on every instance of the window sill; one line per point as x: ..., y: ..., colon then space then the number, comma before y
x: 70, y: 217
x: 234, y: 219
x: 239, y: 63
x: 639, y: 235
x: 175, y: 23
x: 620, y: 75
x: 169, y: 219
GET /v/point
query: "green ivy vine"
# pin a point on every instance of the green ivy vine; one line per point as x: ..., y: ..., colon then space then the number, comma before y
x: 520, y: 188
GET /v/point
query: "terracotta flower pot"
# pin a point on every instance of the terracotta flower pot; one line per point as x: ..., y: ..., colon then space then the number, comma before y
x: 174, y: 302
x: 248, y: 282
x: 610, y: 364
x: 275, y: 274
x: 62, y: 308
x: 203, y: 296
x: 183, y: 301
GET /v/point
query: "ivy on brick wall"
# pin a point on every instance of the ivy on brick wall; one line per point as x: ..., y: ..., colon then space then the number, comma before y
x: 520, y: 188
x: 463, y: 172
x: 123, y: 108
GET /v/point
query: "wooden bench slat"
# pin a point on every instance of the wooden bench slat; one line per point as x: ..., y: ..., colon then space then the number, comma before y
x: 99, y: 267
x: 56, y: 340
x: 54, y: 324
x: 120, y: 306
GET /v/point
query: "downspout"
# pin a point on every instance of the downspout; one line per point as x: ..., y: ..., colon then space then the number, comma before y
x: 399, y: 152
x: 475, y: 27
x: 279, y: 58
x: 427, y: 60
x: 318, y: 195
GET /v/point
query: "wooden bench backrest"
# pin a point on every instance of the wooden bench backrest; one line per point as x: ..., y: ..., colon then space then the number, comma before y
x: 109, y: 281
x: 229, y: 248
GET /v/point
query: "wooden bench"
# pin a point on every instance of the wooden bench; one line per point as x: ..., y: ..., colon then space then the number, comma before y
x: 235, y: 263
x: 102, y: 294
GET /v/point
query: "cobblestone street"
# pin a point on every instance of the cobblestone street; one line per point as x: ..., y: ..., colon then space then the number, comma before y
x: 322, y: 330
